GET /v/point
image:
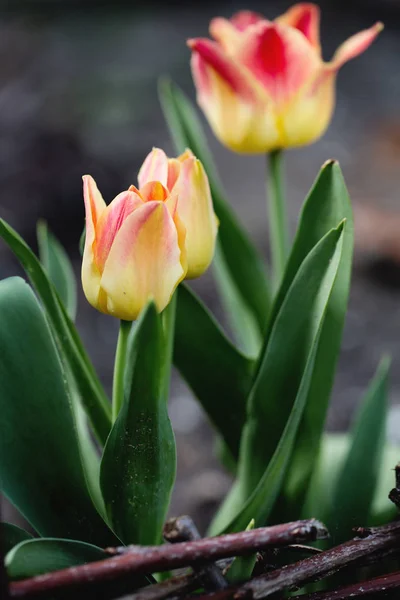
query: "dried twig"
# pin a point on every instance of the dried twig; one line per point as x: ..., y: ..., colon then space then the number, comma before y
x: 175, y: 586
x: 148, y: 559
x: 183, y: 529
x: 373, y: 543
x: 379, y: 585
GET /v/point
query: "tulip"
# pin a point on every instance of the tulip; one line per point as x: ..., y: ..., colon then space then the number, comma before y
x: 149, y: 238
x: 263, y: 85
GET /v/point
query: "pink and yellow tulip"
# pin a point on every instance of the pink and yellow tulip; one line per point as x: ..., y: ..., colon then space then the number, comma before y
x: 263, y: 85
x: 149, y: 238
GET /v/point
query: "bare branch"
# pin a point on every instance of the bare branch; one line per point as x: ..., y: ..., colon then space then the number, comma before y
x: 183, y: 529
x: 147, y: 559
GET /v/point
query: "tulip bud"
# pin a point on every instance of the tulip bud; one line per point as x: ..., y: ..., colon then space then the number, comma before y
x: 263, y: 84
x: 147, y: 240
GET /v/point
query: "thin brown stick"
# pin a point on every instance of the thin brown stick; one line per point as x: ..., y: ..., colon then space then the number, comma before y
x: 176, y: 586
x: 377, y: 586
x: 183, y: 529
x: 137, y: 559
x: 374, y: 543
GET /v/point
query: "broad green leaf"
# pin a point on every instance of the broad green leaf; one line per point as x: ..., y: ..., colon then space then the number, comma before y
x: 216, y: 371
x: 139, y: 462
x: 240, y: 270
x: 70, y: 346
x: 40, y: 463
x: 333, y: 452
x: 43, y: 555
x: 58, y: 267
x: 283, y: 381
x: 242, y: 566
x: 11, y: 535
x: 354, y: 491
x: 327, y: 204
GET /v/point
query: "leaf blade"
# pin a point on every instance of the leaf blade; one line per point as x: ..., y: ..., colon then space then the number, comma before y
x: 139, y: 461
x: 71, y: 348
x: 224, y: 391
x: 40, y: 470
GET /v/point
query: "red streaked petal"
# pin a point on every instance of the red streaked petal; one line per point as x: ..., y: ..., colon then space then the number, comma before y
x: 306, y: 18
x: 144, y: 262
x: 245, y: 18
x: 234, y: 76
x: 94, y: 208
x: 355, y: 45
x: 242, y: 126
x: 154, y: 168
x: 154, y: 190
x: 111, y: 221
x: 279, y: 57
x: 224, y: 32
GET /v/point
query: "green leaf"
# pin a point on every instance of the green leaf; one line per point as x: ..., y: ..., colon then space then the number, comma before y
x: 283, y: 380
x: 40, y: 463
x: 139, y: 462
x: 58, y: 267
x: 70, y: 346
x: 240, y: 270
x: 11, y: 535
x: 356, y: 483
x: 37, y: 557
x: 332, y: 456
x: 327, y: 204
x: 219, y: 375
x: 242, y: 566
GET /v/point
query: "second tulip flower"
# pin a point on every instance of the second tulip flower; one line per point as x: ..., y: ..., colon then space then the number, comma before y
x: 149, y: 238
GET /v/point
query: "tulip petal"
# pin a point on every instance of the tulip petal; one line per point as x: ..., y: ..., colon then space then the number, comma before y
x: 234, y: 76
x: 279, y: 57
x: 144, y: 262
x: 238, y: 109
x: 154, y: 168
x: 306, y: 119
x: 154, y: 190
x: 355, y: 45
x: 306, y: 18
x: 94, y: 207
x: 174, y: 168
x: 227, y: 31
x: 245, y: 18
x: 195, y: 209
x: 110, y: 223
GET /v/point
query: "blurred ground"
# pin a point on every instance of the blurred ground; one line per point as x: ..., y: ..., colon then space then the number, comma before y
x: 78, y: 95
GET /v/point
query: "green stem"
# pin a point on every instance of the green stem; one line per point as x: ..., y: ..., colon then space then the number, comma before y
x: 119, y: 368
x: 168, y: 321
x: 278, y: 227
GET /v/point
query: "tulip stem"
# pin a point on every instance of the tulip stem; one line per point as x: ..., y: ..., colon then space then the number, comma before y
x: 119, y: 368
x: 278, y: 226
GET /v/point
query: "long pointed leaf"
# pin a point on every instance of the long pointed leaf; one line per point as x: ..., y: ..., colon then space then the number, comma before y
x: 355, y: 487
x: 139, y: 462
x: 216, y: 371
x: 40, y: 463
x: 68, y: 341
x: 327, y: 204
x: 58, y: 267
x: 281, y: 389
